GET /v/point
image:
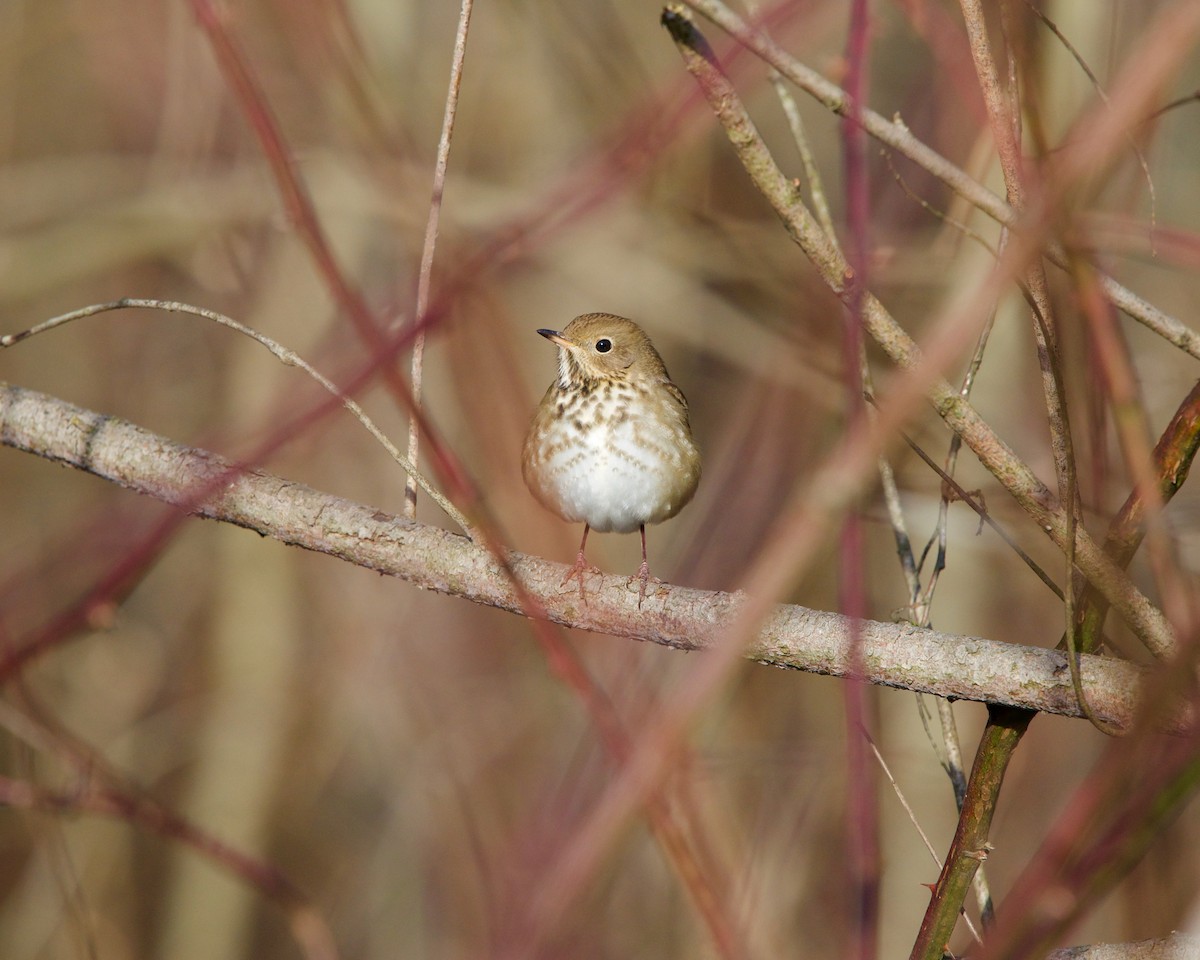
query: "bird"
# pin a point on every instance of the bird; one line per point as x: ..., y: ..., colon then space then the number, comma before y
x: 610, y: 444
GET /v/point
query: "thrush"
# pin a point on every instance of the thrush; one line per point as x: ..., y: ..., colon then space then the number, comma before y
x: 610, y: 444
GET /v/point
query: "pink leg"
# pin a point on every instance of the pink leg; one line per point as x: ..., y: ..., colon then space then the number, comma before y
x: 581, y: 565
x: 643, y: 573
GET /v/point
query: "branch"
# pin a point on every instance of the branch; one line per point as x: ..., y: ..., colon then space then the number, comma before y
x: 1178, y: 946
x: 894, y: 655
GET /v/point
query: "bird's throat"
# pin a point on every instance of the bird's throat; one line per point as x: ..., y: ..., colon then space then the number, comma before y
x: 565, y: 372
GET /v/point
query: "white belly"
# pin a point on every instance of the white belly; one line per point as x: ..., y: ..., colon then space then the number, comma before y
x: 618, y: 477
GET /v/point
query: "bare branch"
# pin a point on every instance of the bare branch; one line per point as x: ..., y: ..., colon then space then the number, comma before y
x: 431, y: 234
x: 894, y: 655
x: 1178, y: 946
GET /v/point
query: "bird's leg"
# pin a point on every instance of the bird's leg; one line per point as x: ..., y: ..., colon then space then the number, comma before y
x: 581, y: 565
x: 643, y: 574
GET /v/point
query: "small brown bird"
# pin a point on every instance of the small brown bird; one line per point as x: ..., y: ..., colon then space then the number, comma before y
x: 610, y: 444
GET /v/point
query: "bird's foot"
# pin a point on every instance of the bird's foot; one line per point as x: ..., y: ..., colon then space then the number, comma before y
x: 580, y: 567
x: 643, y: 578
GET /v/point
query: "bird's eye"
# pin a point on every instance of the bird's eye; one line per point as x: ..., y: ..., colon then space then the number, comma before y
x: 603, y: 345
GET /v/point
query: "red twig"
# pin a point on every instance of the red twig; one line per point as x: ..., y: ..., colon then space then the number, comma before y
x: 862, y: 815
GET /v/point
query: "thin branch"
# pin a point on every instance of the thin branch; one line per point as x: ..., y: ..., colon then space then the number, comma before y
x: 862, y: 813
x: 949, y: 484
x: 431, y: 234
x: 812, y: 173
x: 1175, y: 105
x: 933, y: 211
x: 1004, y: 117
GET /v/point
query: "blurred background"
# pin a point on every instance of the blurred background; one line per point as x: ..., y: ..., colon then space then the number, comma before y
x: 407, y: 760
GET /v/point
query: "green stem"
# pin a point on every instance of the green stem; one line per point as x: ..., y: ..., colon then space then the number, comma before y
x: 1005, y: 727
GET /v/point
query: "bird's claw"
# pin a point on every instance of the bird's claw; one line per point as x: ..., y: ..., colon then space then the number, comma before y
x: 643, y: 578
x: 578, y: 569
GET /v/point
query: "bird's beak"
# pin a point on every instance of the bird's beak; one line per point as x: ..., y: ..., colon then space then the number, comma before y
x: 557, y: 339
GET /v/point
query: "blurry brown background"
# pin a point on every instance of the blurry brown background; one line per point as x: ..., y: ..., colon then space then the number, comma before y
x: 407, y: 759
